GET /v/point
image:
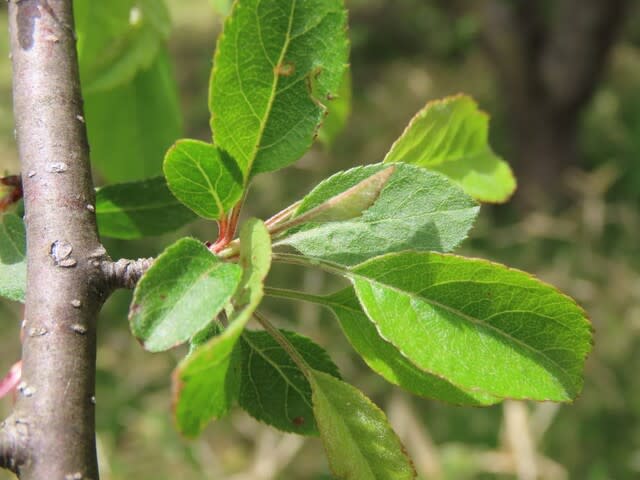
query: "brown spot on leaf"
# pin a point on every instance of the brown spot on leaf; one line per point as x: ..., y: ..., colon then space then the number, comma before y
x: 134, y: 309
x: 285, y: 69
x: 298, y: 421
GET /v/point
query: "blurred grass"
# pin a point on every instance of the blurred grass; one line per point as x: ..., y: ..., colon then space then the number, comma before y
x: 589, y: 250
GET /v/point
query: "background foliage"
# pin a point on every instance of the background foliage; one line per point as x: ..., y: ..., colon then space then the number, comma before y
x: 587, y: 247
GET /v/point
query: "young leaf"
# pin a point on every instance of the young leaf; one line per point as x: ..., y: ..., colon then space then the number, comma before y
x: 417, y: 209
x: 207, y: 382
x: 13, y: 263
x: 117, y: 39
x: 450, y: 136
x: 386, y: 360
x: 182, y: 292
x: 479, y: 325
x: 203, y: 178
x: 273, y: 389
x: 338, y: 113
x: 131, y: 126
x: 356, y: 434
x: 275, y: 64
x: 139, y: 209
x: 344, y: 206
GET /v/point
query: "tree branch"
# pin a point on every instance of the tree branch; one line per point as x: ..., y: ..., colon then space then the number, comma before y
x: 125, y: 273
x: 12, y: 444
x: 56, y: 395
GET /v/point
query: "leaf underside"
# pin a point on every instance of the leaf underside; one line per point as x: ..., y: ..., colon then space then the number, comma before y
x: 417, y: 209
x: 356, y: 434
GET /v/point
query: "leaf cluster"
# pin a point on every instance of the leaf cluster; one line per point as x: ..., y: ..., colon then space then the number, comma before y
x: 441, y: 326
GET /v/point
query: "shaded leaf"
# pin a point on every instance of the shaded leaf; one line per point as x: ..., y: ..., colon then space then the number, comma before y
x: 450, y: 136
x: 207, y: 382
x: 204, y: 179
x: 416, y: 209
x: 386, y: 360
x: 139, y: 209
x: 117, y: 39
x: 131, y: 126
x: 13, y: 262
x: 273, y: 389
x: 356, y: 434
x: 480, y: 325
x: 338, y: 112
x: 275, y: 64
x: 183, y: 291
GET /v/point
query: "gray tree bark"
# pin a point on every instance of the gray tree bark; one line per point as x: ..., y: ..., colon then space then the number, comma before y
x: 51, y: 432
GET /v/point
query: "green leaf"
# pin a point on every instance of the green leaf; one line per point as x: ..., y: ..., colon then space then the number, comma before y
x: 139, y: 209
x: 13, y: 263
x: 203, y: 178
x: 450, y: 136
x: 273, y: 389
x: 344, y: 206
x: 275, y: 64
x: 117, y: 39
x: 131, y: 127
x: 479, y: 325
x: 386, y: 360
x: 183, y: 291
x: 417, y: 209
x: 356, y: 434
x: 338, y: 112
x: 207, y: 382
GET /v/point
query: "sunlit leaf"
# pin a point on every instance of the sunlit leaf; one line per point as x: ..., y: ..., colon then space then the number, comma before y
x: 207, y: 382
x: 182, y: 292
x: 479, y: 325
x: 275, y: 65
x: 356, y: 434
x: 417, y: 209
x: 450, y: 136
x: 385, y: 359
x: 203, y: 178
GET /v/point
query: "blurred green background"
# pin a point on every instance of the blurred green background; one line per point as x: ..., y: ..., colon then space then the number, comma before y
x: 561, y: 80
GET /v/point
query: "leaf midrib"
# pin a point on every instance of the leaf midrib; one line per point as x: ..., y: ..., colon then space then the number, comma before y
x: 277, y: 368
x: 466, y: 317
x: 274, y: 89
x: 339, y: 417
